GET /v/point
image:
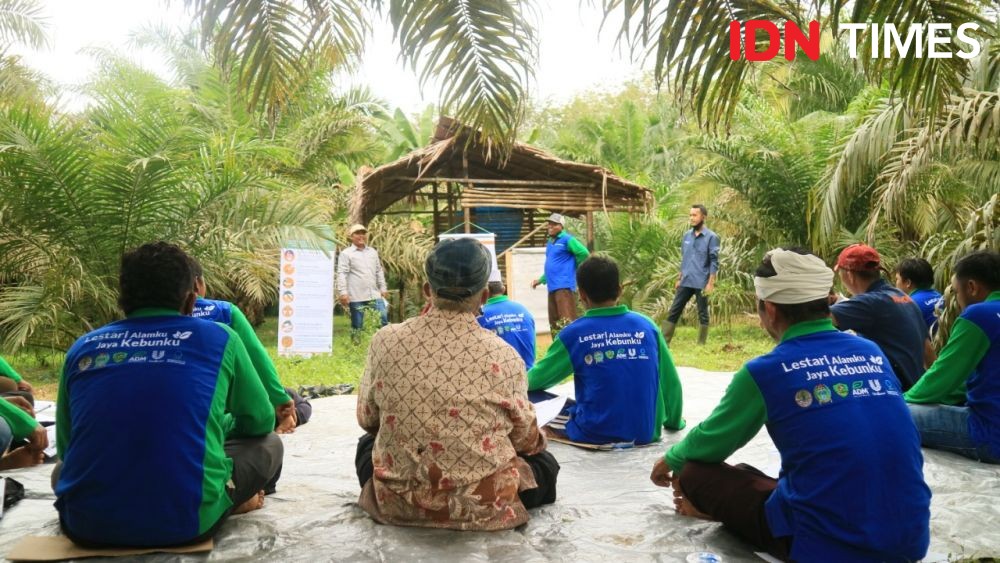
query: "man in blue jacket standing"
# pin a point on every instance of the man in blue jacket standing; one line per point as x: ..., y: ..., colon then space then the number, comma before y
x: 563, y: 253
x: 699, y: 265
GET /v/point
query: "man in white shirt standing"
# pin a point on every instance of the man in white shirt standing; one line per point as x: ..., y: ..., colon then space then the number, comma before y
x: 361, y: 280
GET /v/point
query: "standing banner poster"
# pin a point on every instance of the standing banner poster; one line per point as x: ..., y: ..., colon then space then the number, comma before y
x: 305, y: 303
x: 488, y: 240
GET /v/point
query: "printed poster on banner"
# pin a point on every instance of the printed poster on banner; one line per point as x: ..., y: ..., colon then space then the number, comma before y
x: 488, y: 240
x: 305, y: 301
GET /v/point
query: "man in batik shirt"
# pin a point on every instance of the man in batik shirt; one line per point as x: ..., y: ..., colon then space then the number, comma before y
x: 452, y: 439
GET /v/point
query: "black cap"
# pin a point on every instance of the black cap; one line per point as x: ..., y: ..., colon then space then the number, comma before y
x: 458, y: 268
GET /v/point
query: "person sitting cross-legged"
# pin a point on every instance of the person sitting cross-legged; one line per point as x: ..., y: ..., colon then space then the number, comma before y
x: 17, y: 423
x: 290, y: 410
x: 851, y: 486
x: 968, y: 368
x: 511, y: 321
x: 140, y: 421
x: 452, y: 440
x: 626, y: 385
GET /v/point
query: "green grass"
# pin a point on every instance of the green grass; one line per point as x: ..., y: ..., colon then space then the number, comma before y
x: 727, y: 349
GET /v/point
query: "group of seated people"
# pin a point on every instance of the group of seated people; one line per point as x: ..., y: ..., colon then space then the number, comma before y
x: 451, y: 438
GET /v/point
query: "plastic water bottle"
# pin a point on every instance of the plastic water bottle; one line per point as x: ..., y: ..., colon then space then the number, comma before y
x: 703, y: 557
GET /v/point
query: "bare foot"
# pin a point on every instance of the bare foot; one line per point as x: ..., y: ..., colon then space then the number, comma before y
x: 684, y: 507
x: 21, y: 457
x: 256, y: 502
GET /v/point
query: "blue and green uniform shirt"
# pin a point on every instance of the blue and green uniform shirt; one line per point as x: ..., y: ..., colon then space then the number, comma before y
x: 626, y: 385
x: 927, y: 299
x: 230, y: 315
x: 969, y: 363
x: 851, y: 486
x: 513, y: 323
x: 562, y: 255
x: 140, y: 427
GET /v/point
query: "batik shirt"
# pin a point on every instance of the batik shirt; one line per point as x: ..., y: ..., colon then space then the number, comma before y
x: 447, y: 401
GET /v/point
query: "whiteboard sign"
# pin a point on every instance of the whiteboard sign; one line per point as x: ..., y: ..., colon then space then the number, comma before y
x: 488, y: 240
x: 305, y: 302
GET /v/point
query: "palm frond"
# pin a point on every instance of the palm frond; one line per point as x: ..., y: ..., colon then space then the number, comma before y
x: 481, y: 52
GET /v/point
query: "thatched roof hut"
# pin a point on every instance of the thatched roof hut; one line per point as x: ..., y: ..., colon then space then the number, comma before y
x: 465, y: 185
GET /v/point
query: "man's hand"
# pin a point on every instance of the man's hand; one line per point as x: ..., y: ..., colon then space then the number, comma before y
x: 661, y: 475
x: 39, y: 439
x: 345, y: 300
x: 21, y: 403
x: 709, y: 288
x: 535, y: 283
x: 677, y: 284
x: 24, y: 386
x: 287, y: 418
x: 385, y: 295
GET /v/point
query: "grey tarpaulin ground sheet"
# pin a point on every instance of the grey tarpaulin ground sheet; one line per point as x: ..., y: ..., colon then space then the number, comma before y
x: 607, y: 508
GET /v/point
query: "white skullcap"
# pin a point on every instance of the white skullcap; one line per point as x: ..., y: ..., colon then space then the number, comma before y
x: 801, y: 278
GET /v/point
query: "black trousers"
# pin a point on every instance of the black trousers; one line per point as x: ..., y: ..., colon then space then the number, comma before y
x: 681, y: 298
x: 303, y: 408
x: 256, y: 466
x: 543, y: 465
x: 735, y: 496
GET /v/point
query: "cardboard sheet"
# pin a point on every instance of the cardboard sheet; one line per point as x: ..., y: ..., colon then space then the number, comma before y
x: 58, y: 548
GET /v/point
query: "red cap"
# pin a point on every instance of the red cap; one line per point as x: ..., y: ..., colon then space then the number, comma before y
x: 859, y: 257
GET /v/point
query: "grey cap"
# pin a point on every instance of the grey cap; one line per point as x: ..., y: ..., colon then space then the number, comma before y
x: 458, y: 268
x: 557, y: 218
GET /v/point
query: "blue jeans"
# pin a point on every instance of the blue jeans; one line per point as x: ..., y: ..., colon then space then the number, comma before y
x: 946, y: 427
x: 681, y: 298
x: 358, y: 312
x: 6, y: 435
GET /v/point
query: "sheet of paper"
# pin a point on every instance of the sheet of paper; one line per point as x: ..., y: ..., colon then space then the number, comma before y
x: 45, y: 412
x: 51, y: 450
x: 545, y: 411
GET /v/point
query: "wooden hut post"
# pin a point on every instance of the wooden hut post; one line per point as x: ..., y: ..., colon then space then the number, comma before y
x: 590, y: 231
x: 466, y: 212
x: 437, y: 213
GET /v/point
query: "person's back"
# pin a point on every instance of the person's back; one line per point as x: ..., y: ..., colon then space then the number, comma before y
x: 984, y: 383
x: 615, y: 359
x: 852, y: 485
x: 512, y: 322
x: 144, y: 405
x: 142, y: 448
x: 456, y: 443
x: 927, y: 300
x: 890, y: 318
x: 214, y: 310
x: 626, y: 385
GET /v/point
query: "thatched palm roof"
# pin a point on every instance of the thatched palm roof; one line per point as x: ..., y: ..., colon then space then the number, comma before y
x: 529, y: 179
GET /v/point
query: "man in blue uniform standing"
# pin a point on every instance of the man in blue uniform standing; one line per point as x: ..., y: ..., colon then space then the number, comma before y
x: 563, y: 253
x: 699, y: 266
x: 968, y: 369
x: 851, y: 486
x: 510, y: 321
x: 881, y: 313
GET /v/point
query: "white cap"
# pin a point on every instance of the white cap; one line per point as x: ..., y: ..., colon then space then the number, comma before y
x: 358, y: 227
x: 557, y: 218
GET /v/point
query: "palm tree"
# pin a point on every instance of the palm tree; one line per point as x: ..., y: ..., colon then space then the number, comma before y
x: 146, y: 162
x: 481, y: 52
